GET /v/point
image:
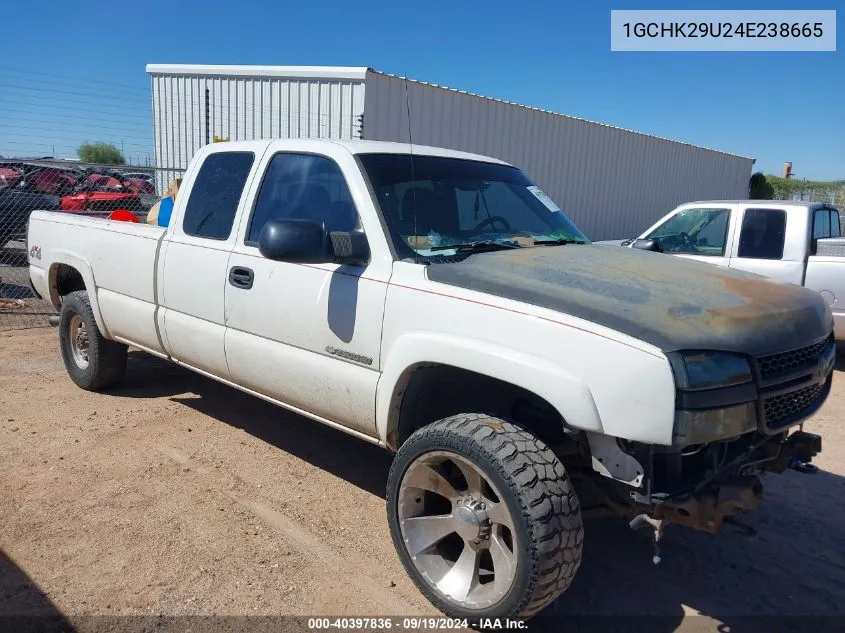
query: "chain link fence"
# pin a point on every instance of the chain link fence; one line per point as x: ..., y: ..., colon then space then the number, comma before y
x: 63, y: 186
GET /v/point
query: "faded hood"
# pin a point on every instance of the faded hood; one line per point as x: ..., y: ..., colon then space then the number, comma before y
x: 670, y: 302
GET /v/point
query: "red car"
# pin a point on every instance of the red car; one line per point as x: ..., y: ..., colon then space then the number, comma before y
x: 117, y: 181
x: 101, y: 202
x: 102, y: 192
x: 51, y: 181
x: 140, y: 185
x: 9, y: 177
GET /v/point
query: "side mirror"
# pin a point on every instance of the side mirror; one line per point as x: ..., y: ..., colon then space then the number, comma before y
x: 296, y: 241
x: 647, y: 245
x: 307, y: 242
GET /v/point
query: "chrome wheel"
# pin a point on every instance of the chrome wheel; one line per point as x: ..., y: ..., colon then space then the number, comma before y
x: 457, y: 530
x: 79, y: 344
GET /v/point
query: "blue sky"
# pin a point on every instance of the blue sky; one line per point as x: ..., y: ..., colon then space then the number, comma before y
x: 71, y: 72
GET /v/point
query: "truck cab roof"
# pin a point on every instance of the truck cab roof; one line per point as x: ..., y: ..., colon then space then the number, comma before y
x: 353, y: 146
x: 761, y: 203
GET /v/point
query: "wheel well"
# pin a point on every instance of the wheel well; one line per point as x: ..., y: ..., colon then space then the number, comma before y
x: 427, y: 393
x: 64, y: 280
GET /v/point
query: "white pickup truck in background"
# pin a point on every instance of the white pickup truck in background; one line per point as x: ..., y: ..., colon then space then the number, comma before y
x: 440, y: 305
x: 796, y: 242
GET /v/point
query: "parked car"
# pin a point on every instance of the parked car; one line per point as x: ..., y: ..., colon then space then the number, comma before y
x: 15, y: 208
x: 37, y: 177
x: 139, y: 186
x: 9, y: 177
x: 103, y: 202
x: 107, y: 180
x: 139, y: 175
x: 796, y: 242
x: 440, y: 305
x: 102, y: 192
x: 34, y: 186
x: 51, y: 181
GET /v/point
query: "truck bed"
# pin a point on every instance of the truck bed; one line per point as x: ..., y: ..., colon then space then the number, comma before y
x: 120, y: 256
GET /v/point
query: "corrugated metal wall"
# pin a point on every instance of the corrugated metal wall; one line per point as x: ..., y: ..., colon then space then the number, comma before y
x: 247, y: 108
x: 612, y: 183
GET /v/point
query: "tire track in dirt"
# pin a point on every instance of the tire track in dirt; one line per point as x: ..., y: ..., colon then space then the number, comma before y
x: 350, y: 570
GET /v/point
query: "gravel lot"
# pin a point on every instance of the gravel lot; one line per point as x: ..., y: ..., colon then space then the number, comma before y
x: 175, y: 495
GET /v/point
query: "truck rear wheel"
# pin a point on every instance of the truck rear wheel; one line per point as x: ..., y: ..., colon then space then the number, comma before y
x: 484, y: 518
x: 92, y: 361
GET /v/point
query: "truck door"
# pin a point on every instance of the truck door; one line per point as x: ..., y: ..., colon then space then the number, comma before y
x: 762, y: 247
x: 194, y: 270
x: 307, y: 336
x: 700, y: 233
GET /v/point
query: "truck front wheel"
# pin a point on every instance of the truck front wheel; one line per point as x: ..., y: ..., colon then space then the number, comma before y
x: 92, y: 361
x: 484, y: 518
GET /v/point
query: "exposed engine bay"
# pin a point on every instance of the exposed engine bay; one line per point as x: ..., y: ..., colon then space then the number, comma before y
x: 701, y: 487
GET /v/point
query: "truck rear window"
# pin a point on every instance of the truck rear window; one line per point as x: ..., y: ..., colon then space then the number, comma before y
x: 215, y: 194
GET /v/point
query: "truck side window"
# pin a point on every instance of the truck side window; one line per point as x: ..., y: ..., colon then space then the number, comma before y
x: 835, y: 227
x: 215, y: 194
x: 306, y: 187
x: 821, y: 223
x: 762, y: 234
x: 694, y: 231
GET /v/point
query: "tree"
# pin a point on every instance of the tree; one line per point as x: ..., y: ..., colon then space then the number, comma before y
x: 759, y: 188
x: 100, y: 153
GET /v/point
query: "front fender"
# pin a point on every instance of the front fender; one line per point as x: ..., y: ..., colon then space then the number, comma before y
x: 567, y: 393
x: 61, y: 256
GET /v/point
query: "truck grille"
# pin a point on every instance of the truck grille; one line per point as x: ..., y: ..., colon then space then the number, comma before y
x: 775, y: 365
x: 781, y: 410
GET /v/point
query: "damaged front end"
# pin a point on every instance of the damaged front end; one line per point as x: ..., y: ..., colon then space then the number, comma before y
x: 736, y: 488
x: 701, y: 487
x: 727, y: 435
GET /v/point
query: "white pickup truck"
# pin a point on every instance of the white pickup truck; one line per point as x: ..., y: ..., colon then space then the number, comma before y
x: 440, y: 305
x: 797, y: 242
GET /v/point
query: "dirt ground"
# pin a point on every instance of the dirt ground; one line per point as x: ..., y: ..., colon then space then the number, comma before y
x: 175, y: 495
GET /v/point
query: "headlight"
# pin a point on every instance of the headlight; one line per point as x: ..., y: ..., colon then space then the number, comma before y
x: 706, y: 370
x: 702, y: 427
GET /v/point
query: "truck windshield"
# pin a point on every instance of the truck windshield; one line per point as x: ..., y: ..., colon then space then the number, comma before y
x: 438, y: 202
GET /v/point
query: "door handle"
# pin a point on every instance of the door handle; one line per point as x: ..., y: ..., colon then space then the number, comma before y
x: 241, y: 277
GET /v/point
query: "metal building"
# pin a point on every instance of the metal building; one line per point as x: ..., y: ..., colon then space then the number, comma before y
x: 611, y: 182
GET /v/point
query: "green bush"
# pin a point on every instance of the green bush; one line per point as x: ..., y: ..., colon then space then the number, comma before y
x: 100, y: 153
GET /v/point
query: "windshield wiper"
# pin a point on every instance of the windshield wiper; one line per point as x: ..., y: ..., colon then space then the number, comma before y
x: 561, y: 240
x: 483, y: 245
